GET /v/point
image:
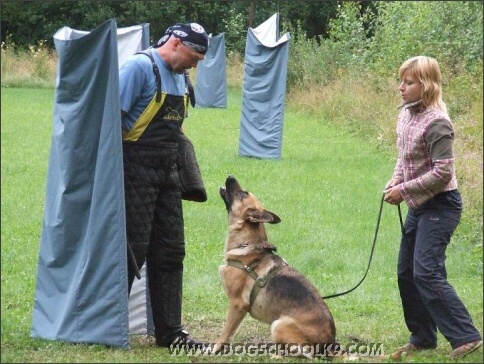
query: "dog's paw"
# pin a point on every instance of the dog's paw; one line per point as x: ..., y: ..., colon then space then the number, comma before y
x: 216, y: 349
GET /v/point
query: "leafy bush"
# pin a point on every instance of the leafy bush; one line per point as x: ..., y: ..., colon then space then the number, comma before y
x: 313, y: 61
x: 351, y: 79
x: 348, y: 30
x: 450, y: 31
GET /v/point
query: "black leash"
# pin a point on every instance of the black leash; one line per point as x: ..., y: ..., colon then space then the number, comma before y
x: 372, y: 249
x: 401, y: 220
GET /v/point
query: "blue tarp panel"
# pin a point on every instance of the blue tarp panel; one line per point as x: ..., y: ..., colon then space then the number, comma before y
x: 81, y: 288
x: 265, y: 72
x: 211, y: 85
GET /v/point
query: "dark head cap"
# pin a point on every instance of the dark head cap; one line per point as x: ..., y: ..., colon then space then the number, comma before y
x: 191, y: 34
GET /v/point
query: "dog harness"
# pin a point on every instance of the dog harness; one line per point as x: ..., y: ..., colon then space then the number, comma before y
x: 260, y: 281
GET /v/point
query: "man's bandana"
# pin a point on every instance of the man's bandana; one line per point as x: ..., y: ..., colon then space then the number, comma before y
x: 191, y: 34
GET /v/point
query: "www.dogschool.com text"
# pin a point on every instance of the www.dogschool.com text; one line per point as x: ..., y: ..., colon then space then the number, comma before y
x: 292, y: 350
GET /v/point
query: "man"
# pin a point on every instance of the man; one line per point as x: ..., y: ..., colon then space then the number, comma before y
x: 154, y: 104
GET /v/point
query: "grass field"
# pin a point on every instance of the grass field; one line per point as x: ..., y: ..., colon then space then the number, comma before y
x: 326, y: 189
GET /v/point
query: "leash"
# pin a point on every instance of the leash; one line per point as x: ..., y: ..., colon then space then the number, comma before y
x: 372, y: 249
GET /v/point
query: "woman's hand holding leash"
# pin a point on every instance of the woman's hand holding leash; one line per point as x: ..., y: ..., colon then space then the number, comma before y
x: 392, y: 195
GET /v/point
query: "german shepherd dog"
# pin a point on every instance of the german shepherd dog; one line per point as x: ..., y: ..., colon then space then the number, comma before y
x: 258, y: 281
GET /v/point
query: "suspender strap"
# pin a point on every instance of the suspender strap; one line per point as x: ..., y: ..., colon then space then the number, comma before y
x: 155, y: 104
x: 153, y: 107
x: 156, y: 71
x: 145, y: 118
x: 191, y: 92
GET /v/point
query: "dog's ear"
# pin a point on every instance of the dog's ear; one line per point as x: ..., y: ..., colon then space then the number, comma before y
x: 264, y: 216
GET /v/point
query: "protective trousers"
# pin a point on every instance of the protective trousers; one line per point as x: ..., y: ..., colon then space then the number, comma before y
x: 154, y: 224
x: 429, y: 301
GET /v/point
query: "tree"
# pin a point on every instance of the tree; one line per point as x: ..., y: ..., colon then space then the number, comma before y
x: 29, y: 22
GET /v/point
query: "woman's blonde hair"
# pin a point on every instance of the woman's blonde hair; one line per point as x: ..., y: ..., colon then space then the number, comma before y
x: 427, y: 71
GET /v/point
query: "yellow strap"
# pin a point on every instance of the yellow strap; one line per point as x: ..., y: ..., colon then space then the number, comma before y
x: 145, y: 118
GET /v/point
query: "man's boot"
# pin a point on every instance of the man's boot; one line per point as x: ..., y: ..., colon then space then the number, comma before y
x: 166, y: 304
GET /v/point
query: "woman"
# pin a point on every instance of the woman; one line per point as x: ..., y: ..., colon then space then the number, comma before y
x: 424, y: 177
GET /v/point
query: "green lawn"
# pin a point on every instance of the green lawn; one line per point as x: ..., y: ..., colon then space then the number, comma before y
x: 326, y: 189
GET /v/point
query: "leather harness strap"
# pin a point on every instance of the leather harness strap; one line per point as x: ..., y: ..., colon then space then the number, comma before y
x: 260, y: 281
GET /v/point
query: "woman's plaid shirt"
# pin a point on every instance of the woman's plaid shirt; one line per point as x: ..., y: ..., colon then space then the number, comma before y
x: 420, y: 176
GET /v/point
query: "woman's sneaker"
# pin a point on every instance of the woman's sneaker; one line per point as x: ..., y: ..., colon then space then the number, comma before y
x: 465, y: 349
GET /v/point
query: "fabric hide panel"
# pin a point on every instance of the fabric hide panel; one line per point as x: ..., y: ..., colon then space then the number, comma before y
x: 265, y: 72
x: 211, y: 85
x: 81, y: 286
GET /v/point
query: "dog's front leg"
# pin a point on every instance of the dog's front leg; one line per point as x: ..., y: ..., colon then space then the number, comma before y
x: 236, y: 286
x: 237, y: 311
